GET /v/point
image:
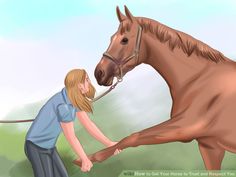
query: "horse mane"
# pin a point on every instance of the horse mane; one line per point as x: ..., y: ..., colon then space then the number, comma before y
x: 187, y: 43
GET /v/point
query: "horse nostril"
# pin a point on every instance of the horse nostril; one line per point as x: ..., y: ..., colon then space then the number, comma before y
x: 100, y: 74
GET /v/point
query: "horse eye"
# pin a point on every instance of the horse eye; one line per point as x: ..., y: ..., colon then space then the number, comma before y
x: 124, y: 40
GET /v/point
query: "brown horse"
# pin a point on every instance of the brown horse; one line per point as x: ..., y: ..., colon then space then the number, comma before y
x: 202, y: 83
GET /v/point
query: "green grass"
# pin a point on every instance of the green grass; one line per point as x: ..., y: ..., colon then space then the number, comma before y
x: 165, y: 156
x: 113, y: 122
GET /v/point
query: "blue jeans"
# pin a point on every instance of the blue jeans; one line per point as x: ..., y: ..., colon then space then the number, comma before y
x: 45, y: 162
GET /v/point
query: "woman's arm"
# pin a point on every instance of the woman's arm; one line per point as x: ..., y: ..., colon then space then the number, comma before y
x: 68, y: 130
x: 93, y: 129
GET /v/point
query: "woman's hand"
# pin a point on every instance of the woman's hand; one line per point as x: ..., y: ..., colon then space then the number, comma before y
x: 86, y: 165
x: 112, y: 143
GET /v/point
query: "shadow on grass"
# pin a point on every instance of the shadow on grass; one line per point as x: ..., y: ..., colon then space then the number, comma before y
x: 5, y: 166
x: 20, y: 169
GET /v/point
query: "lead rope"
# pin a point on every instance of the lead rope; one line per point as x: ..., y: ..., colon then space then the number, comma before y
x: 109, y: 90
x: 93, y: 100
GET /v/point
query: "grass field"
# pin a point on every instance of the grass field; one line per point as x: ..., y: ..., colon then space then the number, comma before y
x: 116, y: 123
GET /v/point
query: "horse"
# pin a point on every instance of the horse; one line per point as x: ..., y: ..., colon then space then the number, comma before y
x: 201, y: 80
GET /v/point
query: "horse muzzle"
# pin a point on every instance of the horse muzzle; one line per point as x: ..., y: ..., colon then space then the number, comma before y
x: 104, y: 78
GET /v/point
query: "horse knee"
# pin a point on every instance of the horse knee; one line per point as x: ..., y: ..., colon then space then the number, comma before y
x: 133, y: 139
x: 129, y: 141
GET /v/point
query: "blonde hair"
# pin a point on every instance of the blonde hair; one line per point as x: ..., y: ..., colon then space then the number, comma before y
x: 77, y: 99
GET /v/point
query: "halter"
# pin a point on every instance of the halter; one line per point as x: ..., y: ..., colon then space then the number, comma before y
x: 122, y: 62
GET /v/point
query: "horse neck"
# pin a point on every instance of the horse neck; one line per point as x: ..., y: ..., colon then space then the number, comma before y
x: 175, y: 66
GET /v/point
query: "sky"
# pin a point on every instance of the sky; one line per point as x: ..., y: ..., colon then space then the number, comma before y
x: 41, y: 40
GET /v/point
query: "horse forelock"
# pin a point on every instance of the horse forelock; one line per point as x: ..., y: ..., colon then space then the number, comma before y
x: 187, y: 43
x: 125, y: 26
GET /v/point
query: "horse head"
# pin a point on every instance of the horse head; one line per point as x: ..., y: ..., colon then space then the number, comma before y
x: 123, y: 53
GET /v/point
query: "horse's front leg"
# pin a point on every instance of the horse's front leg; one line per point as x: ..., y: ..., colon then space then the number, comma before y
x: 169, y: 131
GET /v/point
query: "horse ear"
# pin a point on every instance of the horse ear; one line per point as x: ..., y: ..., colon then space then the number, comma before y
x: 120, y: 16
x: 128, y: 14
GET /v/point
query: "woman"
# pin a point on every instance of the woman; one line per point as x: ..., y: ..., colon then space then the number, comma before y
x: 58, y: 115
